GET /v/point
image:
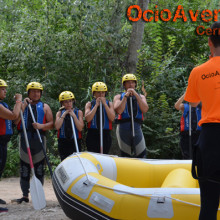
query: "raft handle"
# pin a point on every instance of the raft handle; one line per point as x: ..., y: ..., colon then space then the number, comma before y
x: 161, y: 200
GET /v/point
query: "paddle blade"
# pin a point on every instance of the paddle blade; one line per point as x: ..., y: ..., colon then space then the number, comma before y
x: 37, y: 194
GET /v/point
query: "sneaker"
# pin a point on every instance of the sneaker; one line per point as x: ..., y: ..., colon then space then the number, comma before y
x: 3, y: 209
x: 23, y: 199
x: 2, y: 202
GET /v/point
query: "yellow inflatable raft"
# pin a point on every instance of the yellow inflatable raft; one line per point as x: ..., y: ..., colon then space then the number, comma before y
x: 95, y: 186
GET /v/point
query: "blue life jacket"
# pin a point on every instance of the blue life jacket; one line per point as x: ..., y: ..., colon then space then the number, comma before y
x: 195, y: 118
x: 5, y: 125
x: 125, y: 116
x: 66, y: 129
x: 40, y: 117
x: 95, y: 122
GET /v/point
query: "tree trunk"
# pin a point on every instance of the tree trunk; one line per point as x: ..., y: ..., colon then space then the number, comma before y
x: 135, y: 40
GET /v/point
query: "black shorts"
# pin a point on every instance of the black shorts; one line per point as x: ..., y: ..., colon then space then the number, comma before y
x: 93, y: 141
x: 67, y: 147
x: 184, y: 142
x: 208, y: 151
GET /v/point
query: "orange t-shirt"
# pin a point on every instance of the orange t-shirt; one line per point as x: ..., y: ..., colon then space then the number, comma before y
x: 204, y: 86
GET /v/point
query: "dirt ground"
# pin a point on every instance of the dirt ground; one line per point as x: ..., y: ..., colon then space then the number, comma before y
x: 10, y: 189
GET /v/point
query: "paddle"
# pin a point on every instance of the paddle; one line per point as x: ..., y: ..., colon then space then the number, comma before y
x: 132, y: 126
x: 101, y: 128
x: 190, y: 136
x: 36, y: 188
x: 38, y: 133
x: 74, y: 135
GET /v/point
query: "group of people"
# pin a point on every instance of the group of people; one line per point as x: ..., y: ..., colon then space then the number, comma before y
x: 203, y: 87
x: 129, y: 106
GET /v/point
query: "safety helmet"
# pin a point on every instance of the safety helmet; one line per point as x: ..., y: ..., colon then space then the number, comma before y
x: 128, y: 77
x: 99, y: 87
x: 34, y: 85
x: 3, y: 83
x: 66, y: 95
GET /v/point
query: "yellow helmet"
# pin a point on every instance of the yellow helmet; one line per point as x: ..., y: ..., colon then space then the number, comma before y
x: 3, y: 83
x: 99, y: 87
x: 128, y: 77
x: 66, y: 95
x: 34, y: 85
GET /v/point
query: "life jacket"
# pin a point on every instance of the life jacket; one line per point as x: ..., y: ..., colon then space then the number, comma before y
x: 125, y: 116
x: 66, y: 129
x: 95, y: 122
x: 195, y: 118
x: 5, y: 125
x: 40, y: 117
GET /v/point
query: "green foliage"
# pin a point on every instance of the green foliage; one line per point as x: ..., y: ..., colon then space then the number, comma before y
x: 13, y: 161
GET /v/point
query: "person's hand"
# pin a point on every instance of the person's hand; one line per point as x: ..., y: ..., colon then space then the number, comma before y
x: 131, y: 92
x: 37, y: 125
x: 98, y: 100
x: 103, y: 100
x: 127, y: 94
x: 71, y: 112
x: 18, y: 97
x: 65, y: 113
x: 27, y: 101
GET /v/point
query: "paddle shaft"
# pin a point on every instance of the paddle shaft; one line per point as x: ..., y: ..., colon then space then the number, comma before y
x: 132, y: 118
x: 74, y: 135
x: 36, y: 188
x: 38, y: 133
x: 27, y: 143
x: 101, y: 129
x: 132, y: 126
x: 190, y: 131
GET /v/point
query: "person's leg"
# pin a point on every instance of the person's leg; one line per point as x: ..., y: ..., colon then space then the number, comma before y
x: 123, y: 154
x: 143, y: 154
x: 140, y: 145
x: 107, y: 141
x: 79, y: 141
x: 61, y: 149
x: 39, y: 170
x: 93, y: 141
x: 66, y: 147
x: 24, y: 181
x: 72, y: 146
x: 209, y: 194
x: 124, y: 141
x: 3, y: 157
x: 184, y: 145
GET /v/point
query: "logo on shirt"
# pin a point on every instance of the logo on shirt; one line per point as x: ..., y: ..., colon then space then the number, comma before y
x: 210, y: 75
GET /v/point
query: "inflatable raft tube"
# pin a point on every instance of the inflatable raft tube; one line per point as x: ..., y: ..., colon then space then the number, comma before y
x: 97, y: 186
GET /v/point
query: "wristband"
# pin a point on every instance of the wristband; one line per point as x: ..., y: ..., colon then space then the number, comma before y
x: 18, y: 101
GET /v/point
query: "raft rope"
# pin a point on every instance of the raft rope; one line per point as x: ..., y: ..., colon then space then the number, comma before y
x: 127, y: 192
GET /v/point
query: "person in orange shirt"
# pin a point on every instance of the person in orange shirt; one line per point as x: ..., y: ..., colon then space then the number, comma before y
x: 204, y: 86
